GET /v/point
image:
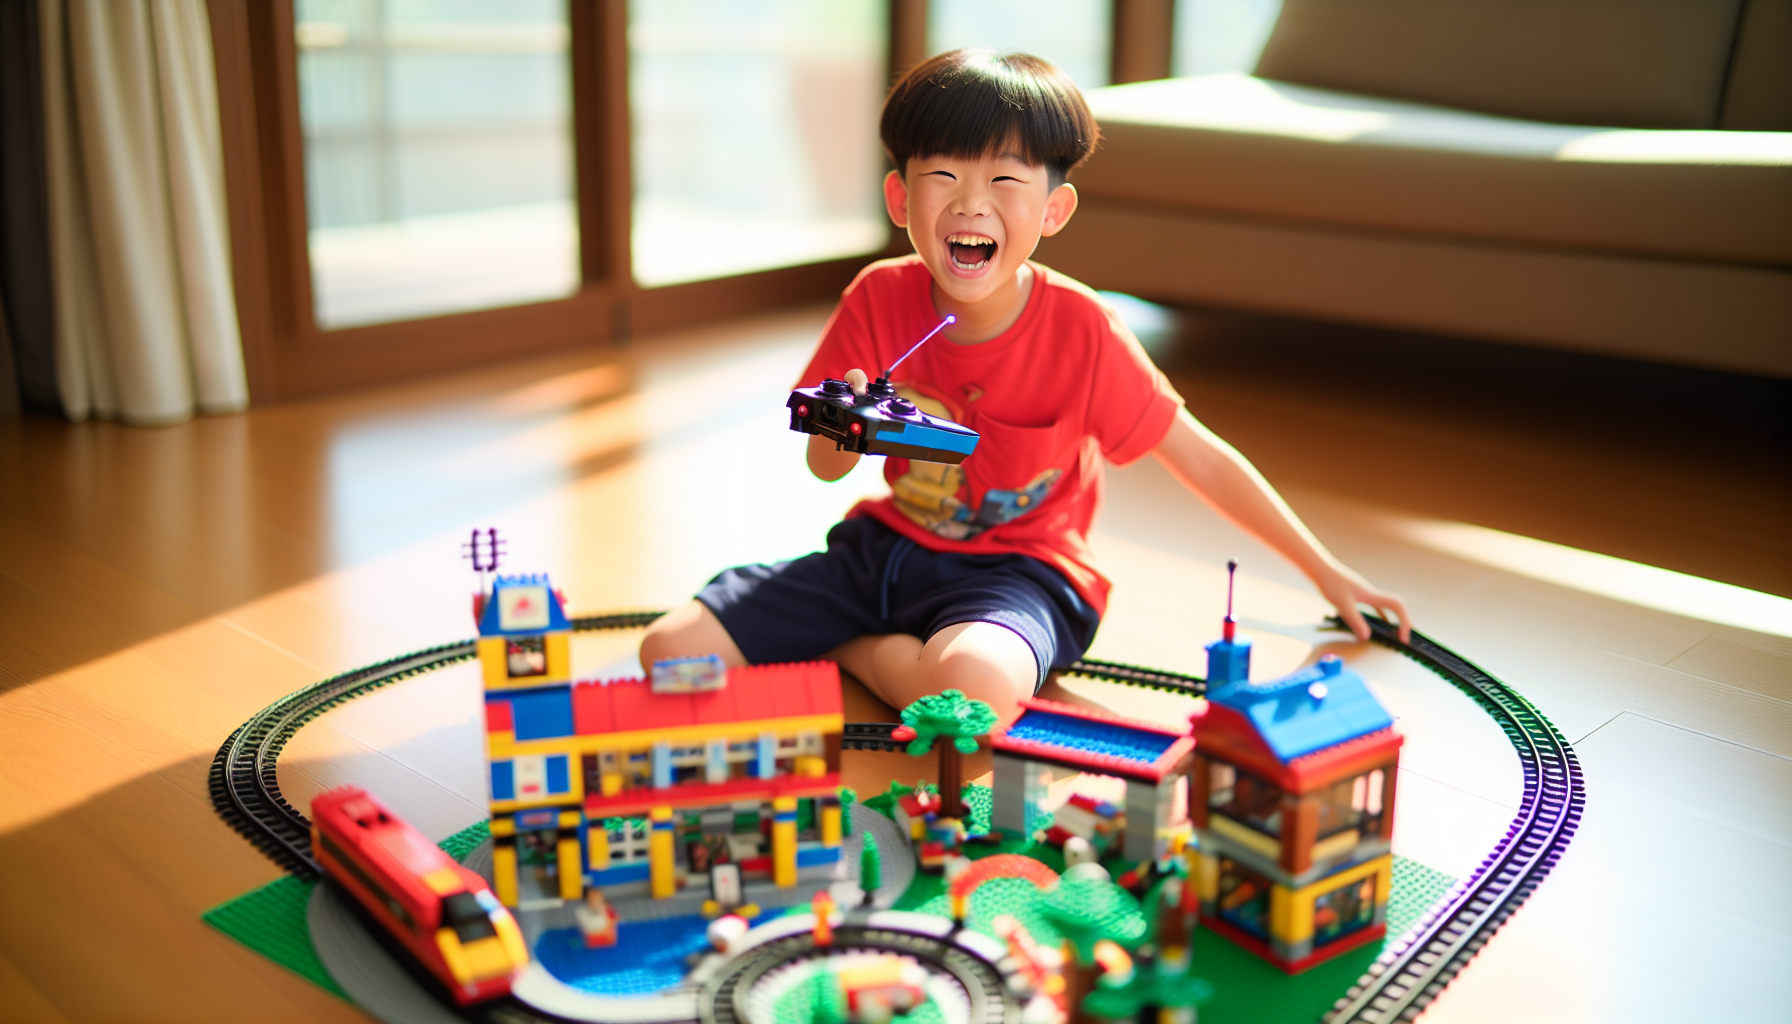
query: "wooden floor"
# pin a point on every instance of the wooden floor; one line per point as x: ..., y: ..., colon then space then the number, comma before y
x: 158, y: 587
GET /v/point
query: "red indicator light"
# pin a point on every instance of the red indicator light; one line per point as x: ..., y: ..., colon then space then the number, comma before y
x: 802, y: 411
x: 857, y: 429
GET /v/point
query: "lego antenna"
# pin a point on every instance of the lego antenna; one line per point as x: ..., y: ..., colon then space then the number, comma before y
x: 1231, y: 625
x: 483, y: 551
x: 950, y: 319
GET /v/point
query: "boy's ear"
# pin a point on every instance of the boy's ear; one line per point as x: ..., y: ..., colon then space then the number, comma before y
x: 1058, y: 208
x: 896, y: 198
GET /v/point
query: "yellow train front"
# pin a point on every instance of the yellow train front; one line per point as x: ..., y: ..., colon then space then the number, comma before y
x: 444, y: 914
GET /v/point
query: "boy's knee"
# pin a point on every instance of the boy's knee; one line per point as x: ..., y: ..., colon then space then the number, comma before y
x: 690, y: 631
x: 985, y: 661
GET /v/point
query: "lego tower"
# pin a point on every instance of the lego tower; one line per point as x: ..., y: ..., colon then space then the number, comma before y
x: 526, y: 657
x: 703, y: 782
x: 1294, y: 862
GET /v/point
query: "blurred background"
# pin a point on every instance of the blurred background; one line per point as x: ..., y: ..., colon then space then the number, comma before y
x: 439, y: 144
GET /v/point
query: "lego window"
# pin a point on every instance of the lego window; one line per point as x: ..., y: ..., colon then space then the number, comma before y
x: 1352, y: 804
x: 1243, y: 898
x: 530, y: 774
x: 1345, y: 909
x: 526, y: 656
x: 627, y: 838
x: 1245, y: 798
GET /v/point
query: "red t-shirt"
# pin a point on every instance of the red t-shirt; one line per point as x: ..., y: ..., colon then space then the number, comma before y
x: 1062, y: 388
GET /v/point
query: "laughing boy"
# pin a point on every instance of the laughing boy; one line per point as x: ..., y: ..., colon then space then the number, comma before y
x: 979, y: 577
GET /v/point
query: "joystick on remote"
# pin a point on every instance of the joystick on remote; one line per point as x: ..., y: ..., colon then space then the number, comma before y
x: 880, y: 422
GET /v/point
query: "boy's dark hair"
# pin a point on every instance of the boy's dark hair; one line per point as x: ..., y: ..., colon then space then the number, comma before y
x: 969, y: 103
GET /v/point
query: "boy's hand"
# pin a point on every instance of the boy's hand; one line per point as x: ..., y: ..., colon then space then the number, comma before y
x: 826, y: 460
x: 1346, y: 590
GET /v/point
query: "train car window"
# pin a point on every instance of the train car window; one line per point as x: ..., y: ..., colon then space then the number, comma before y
x: 469, y: 920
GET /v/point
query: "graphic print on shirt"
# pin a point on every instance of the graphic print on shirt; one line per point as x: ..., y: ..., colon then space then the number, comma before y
x: 934, y: 494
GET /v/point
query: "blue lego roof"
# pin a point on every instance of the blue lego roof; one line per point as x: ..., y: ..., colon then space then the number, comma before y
x: 522, y: 606
x: 1109, y: 738
x: 1318, y: 707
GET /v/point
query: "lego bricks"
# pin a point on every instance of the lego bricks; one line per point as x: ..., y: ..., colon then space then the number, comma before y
x: 678, y: 847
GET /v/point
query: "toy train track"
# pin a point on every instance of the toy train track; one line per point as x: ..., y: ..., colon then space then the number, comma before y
x: 1411, y: 973
x: 245, y: 787
x: 727, y: 996
x: 246, y: 793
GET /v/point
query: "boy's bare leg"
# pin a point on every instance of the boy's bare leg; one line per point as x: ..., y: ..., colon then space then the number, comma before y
x: 981, y: 659
x: 689, y: 632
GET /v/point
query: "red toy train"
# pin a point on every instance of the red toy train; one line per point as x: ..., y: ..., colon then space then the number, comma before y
x: 444, y: 914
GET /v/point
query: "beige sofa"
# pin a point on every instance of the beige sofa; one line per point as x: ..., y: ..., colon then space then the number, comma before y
x: 1611, y: 176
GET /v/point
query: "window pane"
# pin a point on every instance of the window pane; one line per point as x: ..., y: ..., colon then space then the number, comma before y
x: 1221, y: 35
x: 1073, y: 34
x: 754, y: 131
x: 438, y: 155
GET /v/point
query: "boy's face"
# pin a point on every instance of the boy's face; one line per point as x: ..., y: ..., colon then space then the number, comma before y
x: 975, y: 221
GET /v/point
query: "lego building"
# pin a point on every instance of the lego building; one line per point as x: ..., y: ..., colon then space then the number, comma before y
x: 1298, y: 774
x: 1150, y: 756
x: 644, y: 787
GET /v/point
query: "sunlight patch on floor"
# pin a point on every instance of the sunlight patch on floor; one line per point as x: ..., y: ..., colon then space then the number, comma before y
x: 1615, y: 578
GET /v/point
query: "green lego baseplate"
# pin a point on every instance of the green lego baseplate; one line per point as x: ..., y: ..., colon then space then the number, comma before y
x: 271, y: 920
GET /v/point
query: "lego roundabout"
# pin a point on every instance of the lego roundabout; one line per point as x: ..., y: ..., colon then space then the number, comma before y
x: 901, y: 906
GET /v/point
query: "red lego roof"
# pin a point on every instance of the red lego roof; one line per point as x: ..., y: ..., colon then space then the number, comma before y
x: 1225, y: 733
x: 754, y: 692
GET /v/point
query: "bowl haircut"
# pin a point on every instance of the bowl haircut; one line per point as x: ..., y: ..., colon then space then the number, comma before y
x: 973, y: 103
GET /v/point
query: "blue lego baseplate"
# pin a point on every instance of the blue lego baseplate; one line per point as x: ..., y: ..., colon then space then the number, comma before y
x: 1080, y: 734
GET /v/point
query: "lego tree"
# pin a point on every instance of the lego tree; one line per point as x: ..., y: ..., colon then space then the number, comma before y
x: 871, y: 867
x: 1150, y: 987
x: 885, y: 803
x: 1087, y: 908
x: 947, y: 716
x: 827, y: 1005
x: 848, y: 797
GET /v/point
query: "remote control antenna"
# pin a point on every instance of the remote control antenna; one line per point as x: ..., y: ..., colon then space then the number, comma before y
x: 950, y: 319
x: 1231, y: 625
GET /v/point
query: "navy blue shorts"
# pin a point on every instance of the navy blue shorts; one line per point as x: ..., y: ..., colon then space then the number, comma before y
x: 873, y: 580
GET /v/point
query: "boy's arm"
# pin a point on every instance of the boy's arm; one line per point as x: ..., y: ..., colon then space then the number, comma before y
x: 1226, y: 480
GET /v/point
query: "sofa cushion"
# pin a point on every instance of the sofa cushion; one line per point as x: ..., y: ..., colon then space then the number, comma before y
x: 1246, y: 145
x: 1629, y: 63
x: 1759, y: 96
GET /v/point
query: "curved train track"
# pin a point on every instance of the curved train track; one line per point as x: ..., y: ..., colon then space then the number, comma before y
x: 726, y: 998
x: 245, y: 791
x: 1411, y: 973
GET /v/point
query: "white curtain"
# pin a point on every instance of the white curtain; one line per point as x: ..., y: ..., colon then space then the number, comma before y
x: 147, y: 329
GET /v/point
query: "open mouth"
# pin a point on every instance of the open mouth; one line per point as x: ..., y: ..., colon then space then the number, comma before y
x: 971, y: 251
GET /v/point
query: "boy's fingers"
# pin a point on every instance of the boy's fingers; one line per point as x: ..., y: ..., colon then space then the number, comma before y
x: 1398, y: 607
x: 1354, y: 619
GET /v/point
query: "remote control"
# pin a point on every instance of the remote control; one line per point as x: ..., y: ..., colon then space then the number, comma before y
x: 880, y: 422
